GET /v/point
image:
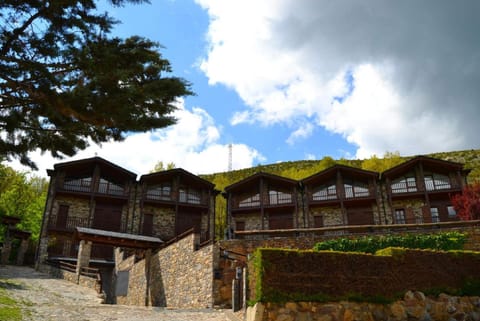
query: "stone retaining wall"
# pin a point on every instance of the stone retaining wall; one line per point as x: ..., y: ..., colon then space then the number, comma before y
x: 70, y: 276
x: 246, y: 246
x: 414, y: 306
x: 178, y: 276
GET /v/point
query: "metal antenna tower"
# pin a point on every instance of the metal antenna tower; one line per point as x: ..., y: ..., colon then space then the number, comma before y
x: 230, y: 157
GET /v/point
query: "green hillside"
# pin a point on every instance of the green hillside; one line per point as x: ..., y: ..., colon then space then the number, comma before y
x: 304, y: 168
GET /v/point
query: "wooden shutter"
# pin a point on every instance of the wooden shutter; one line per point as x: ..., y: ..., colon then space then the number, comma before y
x: 62, y: 216
x: 318, y: 221
x: 410, y: 216
x: 280, y: 221
x: 427, y: 216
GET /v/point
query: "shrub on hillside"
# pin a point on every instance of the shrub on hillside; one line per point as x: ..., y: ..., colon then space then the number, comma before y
x: 371, y: 244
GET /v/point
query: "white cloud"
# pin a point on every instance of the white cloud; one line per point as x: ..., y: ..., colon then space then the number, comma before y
x: 414, y: 69
x: 192, y: 144
x: 302, y: 132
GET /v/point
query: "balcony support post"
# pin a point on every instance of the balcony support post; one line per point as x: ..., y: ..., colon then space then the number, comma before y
x: 83, y: 258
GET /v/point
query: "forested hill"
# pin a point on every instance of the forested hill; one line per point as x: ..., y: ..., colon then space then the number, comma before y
x: 301, y: 169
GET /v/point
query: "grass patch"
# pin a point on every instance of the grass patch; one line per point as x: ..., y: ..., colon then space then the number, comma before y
x: 10, y: 309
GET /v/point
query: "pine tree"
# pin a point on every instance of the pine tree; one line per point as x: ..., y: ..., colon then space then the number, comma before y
x: 65, y: 82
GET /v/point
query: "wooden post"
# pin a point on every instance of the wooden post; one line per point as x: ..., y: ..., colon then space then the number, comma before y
x: 235, y: 295
x: 6, y: 249
x: 21, y: 251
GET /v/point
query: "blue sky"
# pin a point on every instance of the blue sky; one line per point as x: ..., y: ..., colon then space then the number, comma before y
x: 292, y: 80
x: 181, y: 27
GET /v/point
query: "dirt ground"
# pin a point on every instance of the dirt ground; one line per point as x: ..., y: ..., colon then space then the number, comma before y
x: 44, y: 298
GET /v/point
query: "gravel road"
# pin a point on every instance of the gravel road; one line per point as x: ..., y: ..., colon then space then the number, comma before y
x: 47, y: 299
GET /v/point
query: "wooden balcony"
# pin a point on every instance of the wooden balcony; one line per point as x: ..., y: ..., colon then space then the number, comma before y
x: 350, y: 194
x: 104, y: 188
x: 404, y: 189
x: 69, y: 249
x: 273, y: 200
x: 186, y: 198
x: 68, y: 225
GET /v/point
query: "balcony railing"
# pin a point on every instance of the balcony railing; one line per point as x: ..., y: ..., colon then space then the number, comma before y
x: 409, y: 187
x: 268, y: 200
x: 67, y: 225
x: 111, y: 189
x: 157, y: 195
x: 194, y: 198
x: 324, y: 196
x: 352, y: 192
x: 76, y: 186
x: 103, y: 188
x: 67, y: 248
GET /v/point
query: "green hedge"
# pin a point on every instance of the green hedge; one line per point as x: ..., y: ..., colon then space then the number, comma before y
x: 371, y: 244
x: 280, y: 275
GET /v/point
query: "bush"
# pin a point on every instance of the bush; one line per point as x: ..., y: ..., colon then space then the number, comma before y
x: 371, y: 244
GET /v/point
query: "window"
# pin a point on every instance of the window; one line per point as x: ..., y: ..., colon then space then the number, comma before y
x: 189, y: 195
x: 160, y: 192
x: 278, y: 197
x: 249, y: 201
x: 451, y: 211
x: 404, y: 184
x: 77, y: 184
x: 356, y: 189
x: 325, y: 192
x: 436, y: 182
x: 400, y: 216
x: 434, y: 213
x: 108, y: 187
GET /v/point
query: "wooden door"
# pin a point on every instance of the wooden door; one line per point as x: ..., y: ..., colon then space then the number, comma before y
x: 280, y: 221
x: 147, y: 224
x: 62, y: 216
x: 360, y: 216
x: 107, y: 217
x: 318, y: 221
x: 186, y: 221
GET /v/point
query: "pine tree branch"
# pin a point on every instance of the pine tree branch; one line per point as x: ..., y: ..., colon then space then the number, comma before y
x: 18, y: 31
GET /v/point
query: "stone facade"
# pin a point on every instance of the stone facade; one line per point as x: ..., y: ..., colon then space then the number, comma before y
x: 179, y: 275
x: 415, y: 306
x: 412, y: 208
x: 163, y: 221
x: 342, y: 195
x: 251, y: 221
x: 332, y: 216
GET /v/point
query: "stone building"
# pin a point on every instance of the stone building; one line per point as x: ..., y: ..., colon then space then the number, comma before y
x: 97, y: 194
x: 417, y: 191
x: 263, y: 201
x: 341, y: 195
x: 162, y: 225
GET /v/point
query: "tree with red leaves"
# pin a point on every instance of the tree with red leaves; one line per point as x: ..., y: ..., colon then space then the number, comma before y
x: 467, y: 204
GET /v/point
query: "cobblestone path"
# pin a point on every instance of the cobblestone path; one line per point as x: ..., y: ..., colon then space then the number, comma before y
x: 47, y: 299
